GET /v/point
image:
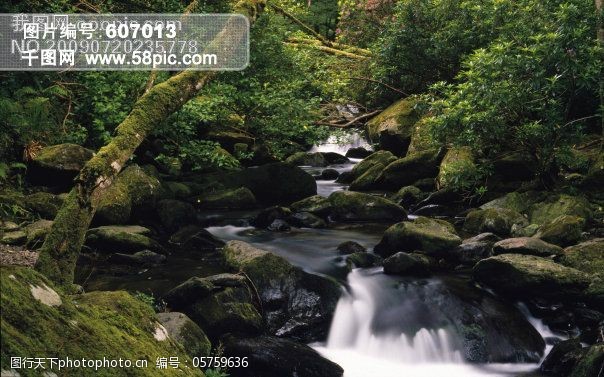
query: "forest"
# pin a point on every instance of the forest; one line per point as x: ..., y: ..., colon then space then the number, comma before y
x: 390, y: 188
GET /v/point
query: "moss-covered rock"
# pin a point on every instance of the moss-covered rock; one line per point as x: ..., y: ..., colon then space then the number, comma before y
x: 44, y: 204
x: 36, y: 233
x: 458, y: 162
x: 393, y: 127
x: 407, y: 170
x: 587, y: 256
x: 175, y: 190
x: 239, y: 198
x: 315, y: 159
x: 517, y: 201
x: 186, y: 332
x: 58, y: 165
x: 570, y: 358
x: 408, y: 195
x: 296, y: 304
x: 306, y: 220
x: 132, y: 188
x: 193, y: 238
x: 421, y: 138
x: 526, y: 246
x: 408, y: 264
x: 356, y: 206
x: 495, y: 220
x: 431, y: 236
x: 376, y: 158
x: 174, y: 214
x: 564, y: 230
x: 368, y: 180
x: 316, y: 204
x: 529, y: 276
x: 95, y: 325
x: 557, y: 205
x: 121, y: 239
x: 362, y: 260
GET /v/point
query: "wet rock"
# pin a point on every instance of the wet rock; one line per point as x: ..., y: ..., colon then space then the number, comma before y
x: 565, y: 230
x: 306, y: 220
x: 334, y: 158
x: 520, y: 202
x: 408, y: 196
x: 407, y: 170
x: 369, y: 179
x: 362, y: 260
x: 133, y: 189
x: 186, y: 332
x: 218, y: 304
x: 316, y: 204
x: 587, y: 256
x: 530, y: 276
x: 495, y: 220
x: 329, y: 175
x: 266, y: 217
x: 483, y: 237
x: 121, y: 239
x: 43, y: 204
x: 393, y: 127
x: 350, y: 247
x: 174, y: 214
x: 526, y: 246
x: 432, y: 236
x: 563, y: 358
x: 193, y: 238
x: 269, y: 356
x: 345, y: 177
x: 469, y: 253
x: 138, y: 259
x: 295, y: 303
x: 58, y: 165
x: 519, y: 230
x: 358, y: 152
x: 239, y: 198
x: 408, y: 264
x: 356, y: 206
x: 279, y: 225
x: 307, y: 159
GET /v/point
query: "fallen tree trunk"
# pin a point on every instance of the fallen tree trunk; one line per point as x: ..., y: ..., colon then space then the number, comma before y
x: 328, y: 50
x: 339, y: 46
x: 62, y: 246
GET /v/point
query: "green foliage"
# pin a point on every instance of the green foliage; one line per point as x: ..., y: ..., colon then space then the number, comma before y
x: 216, y: 373
x: 201, y: 154
x: 527, y: 89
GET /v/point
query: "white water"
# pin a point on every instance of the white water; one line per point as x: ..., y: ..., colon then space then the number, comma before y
x: 342, y: 144
x: 362, y: 351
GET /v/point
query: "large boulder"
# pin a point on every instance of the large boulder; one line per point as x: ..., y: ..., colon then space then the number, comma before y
x: 186, y: 332
x: 278, y: 183
x: 431, y: 236
x: 356, y: 206
x: 474, y: 249
x: 268, y: 356
x: 315, y: 204
x: 58, y: 165
x: 588, y: 257
x: 517, y: 201
x: 368, y: 180
x: 193, y: 238
x: 557, y: 205
x: 315, y: 159
x: 239, y: 198
x: 121, y: 239
x: 295, y: 303
x: 37, y: 317
x: 174, y: 214
x: 218, y: 304
x: 393, y: 127
x: 407, y: 170
x: 409, y: 264
x: 526, y: 246
x: 458, y: 162
x: 495, y: 220
x: 529, y: 276
x: 377, y: 158
x: 565, y: 230
x: 132, y: 189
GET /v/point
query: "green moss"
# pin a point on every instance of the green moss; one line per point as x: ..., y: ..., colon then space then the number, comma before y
x: 456, y: 168
x: 558, y: 205
x: 591, y: 362
x: 92, y: 326
x: 368, y: 180
x: 564, y: 230
x: 314, y: 204
x: 586, y: 256
x: 401, y: 116
x: 356, y: 206
x: 379, y: 157
x: 63, y: 157
x: 124, y: 239
x: 238, y: 198
x: 496, y: 220
x: 421, y: 138
x: 44, y: 204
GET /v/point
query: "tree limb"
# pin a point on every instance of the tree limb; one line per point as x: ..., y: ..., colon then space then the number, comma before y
x: 339, y: 46
x: 328, y: 50
x: 351, y: 122
x: 305, y: 27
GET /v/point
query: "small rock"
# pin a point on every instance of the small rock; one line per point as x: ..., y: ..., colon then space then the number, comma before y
x: 362, y: 260
x: 182, y: 329
x: 329, y: 175
x: 350, y: 247
x: 45, y: 295
x: 306, y: 220
x: 407, y: 264
x: 279, y: 225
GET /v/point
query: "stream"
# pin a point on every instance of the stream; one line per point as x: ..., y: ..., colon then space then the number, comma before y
x: 383, y: 325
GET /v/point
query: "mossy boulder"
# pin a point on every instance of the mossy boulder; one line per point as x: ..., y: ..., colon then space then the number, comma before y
x: 306, y: 220
x: 58, y: 165
x: 432, y: 236
x: 39, y: 318
x: 377, y: 158
x: 408, y: 264
x: 175, y: 190
x: 296, y: 303
x: 186, y: 332
x: 278, y: 183
x: 495, y: 220
x: 517, y: 201
x: 393, y: 127
x: 362, y: 260
x: 44, y: 204
x: 266, y: 217
x: 36, y: 233
x: 368, y: 180
x: 228, y: 139
x: 121, y: 239
x: 565, y: 230
x: 557, y: 205
x: 239, y: 198
x: 458, y: 162
x: 421, y: 138
x: 529, y: 276
x: 193, y: 238
x: 316, y: 204
x: 174, y: 214
x: 133, y: 188
x: 315, y: 159
x: 526, y: 246
x: 408, y: 196
x: 587, y: 256
x: 407, y: 170
x: 356, y: 206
